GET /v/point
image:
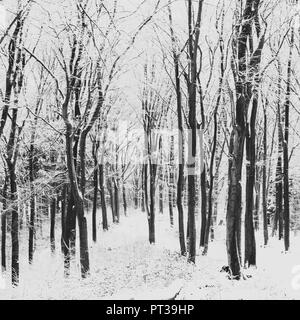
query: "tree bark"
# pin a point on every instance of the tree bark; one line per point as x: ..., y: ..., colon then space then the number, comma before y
x: 52, y: 224
x: 250, y: 248
x: 264, y: 183
x: 4, y: 223
x: 286, y: 191
x: 102, y: 195
x: 94, y: 213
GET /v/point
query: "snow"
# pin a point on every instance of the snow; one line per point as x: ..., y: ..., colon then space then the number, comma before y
x: 125, y: 266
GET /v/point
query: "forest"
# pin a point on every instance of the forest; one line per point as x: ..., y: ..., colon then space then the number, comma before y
x: 149, y: 149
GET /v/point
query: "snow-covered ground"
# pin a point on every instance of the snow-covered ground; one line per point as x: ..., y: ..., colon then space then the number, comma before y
x: 125, y: 266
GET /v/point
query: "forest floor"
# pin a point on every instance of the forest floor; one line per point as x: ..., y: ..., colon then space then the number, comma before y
x: 125, y: 266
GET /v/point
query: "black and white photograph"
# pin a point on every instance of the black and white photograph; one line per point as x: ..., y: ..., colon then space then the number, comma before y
x: 150, y: 151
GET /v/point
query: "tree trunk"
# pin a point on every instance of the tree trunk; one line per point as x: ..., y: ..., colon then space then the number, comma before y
x: 192, y: 137
x: 161, y: 190
x: 32, y: 212
x: 94, y: 213
x: 286, y: 191
x: 257, y: 200
x: 237, y: 139
x: 102, y: 195
x: 112, y: 200
x: 116, y: 199
x: 180, y: 180
x: 264, y: 183
x: 124, y: 199
x: 52, y: 224
x: 143, y: 199
x: 170, y: 193
x: 136, y: 191
x: 250, y: 246
x: 171, y: 182
x: 152, y: 203
x: 14, y: 226
x: 4, y: 224
x: 63, y: 219
x: 278, y: 219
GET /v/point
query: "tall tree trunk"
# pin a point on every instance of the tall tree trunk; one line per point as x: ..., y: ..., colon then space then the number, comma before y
x: 171, y: 181
x: 278, y: 221
x: 102, y: 195
x: 170, y: 193
x: 237, y: 139
x: 112, y: 200
x: 70, y: 232
x: 136, y: 190
x: 180, y: 180
x: 203, y: 205
x: 116, y: 199
x: 250, y: 248
x: 124, y: 198
x: 286, y: 195
x: 152, y: 203
x: 257, y: 199
x: 143, y: 199
x: 94, y: 213
x: 14, y: 226
x: 32, y: 204
x: 52, y: 223
x: 4, y: 223
x: 192, y: 137
x: 76, y: 204
x: 63, y: 219
x: 264, y: 183
x: 161, y: 184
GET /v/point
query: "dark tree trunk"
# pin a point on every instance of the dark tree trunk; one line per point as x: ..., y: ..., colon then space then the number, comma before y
x: 4, y: 224
x: 102, y: 195
x: 32, y: 218
x: 150, y: 199
x: 278, y: 219
x: 234, y: 208
x: 116, y: 199
x: 152, y: 203
x: 180, y: 180
x: 203, y: 206
x: 94, y: 213
x: 70, y: 233
x: 286, y: 191
x: 171, y: 207
x: 83, y: 239
x: 63, y: 219
x: 14, y: 226
x: 264, y: 183
x: 193, y: 41
x: 179, y: 204
x: 143, y: 199
x: 124, y: 198
x: 171, y: 182
x: 112, y: 200
x: 250, y: 247
x: 161, y: 190
x: 257, y: 200
x: 52, y: 224
x: 136, y: 192
x: 237, y: 139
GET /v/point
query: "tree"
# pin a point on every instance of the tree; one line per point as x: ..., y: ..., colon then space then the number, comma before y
x: 191, y: 78
x: 236, y: 149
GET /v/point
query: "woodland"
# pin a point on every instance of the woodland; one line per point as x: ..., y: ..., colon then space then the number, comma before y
x: 150, y: 149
